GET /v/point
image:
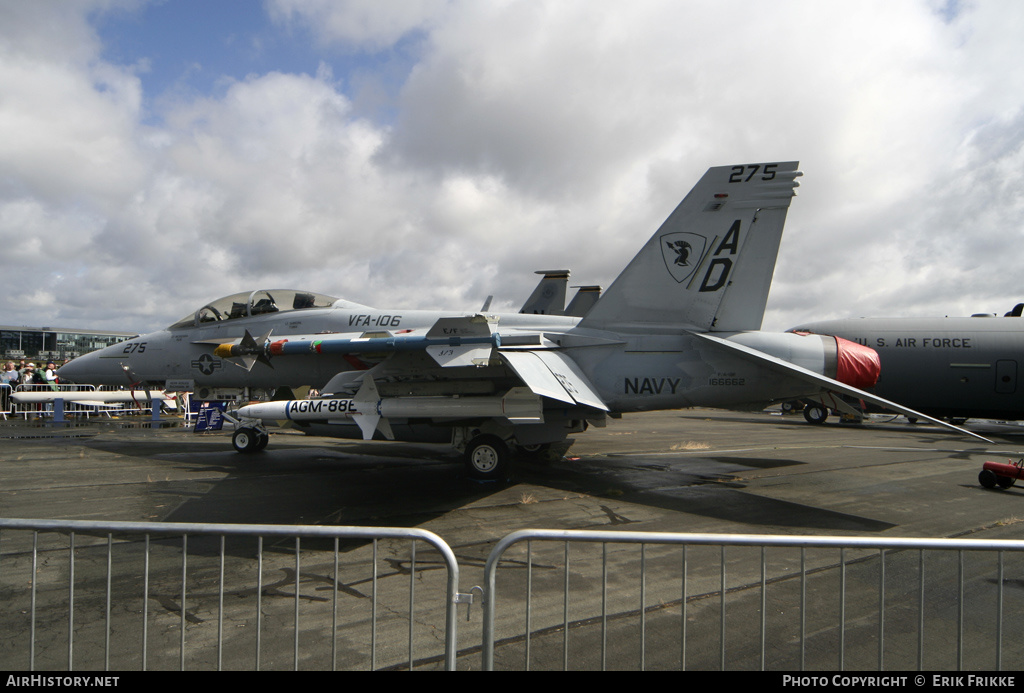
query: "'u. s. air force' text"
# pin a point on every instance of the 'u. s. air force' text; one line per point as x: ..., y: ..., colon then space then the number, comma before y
x: 916, y: 342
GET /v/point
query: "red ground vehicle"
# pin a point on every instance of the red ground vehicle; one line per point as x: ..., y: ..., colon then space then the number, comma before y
x: 1001, y: 474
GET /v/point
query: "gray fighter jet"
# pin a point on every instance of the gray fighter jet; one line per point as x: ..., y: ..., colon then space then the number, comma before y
x: 957, y: 368
x: 679, y: 327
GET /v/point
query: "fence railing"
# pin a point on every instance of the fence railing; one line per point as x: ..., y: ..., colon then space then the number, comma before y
x: 144, y: 595
x: 871, y: 595
x: 140, y: 595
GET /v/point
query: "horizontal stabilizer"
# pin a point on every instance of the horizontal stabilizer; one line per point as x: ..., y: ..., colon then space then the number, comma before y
x: 532, y: 371
x: 828, y: 383
x: 554, y: 375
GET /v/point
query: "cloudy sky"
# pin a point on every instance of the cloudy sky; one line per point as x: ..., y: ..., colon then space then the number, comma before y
x: 427, y: 153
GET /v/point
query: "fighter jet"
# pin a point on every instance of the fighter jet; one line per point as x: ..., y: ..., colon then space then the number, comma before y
x: 952, y: 367
x: 670, y: 332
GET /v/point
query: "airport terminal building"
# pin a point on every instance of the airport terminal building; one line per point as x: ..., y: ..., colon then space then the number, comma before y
x: 54, y: 343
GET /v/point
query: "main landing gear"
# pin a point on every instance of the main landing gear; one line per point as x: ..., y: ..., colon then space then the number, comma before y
x: 815, y: 413
x: 487, y: 458
x: 247, y: 439
x: 490, y: 458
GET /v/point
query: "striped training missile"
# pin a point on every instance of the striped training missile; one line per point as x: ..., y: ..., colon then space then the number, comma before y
x: 462, y: 341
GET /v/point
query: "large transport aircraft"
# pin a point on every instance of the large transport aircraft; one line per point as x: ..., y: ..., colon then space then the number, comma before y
x: 679, y: 327
x: 957, y: 368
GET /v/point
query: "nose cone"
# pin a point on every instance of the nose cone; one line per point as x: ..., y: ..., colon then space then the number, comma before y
x: 96, y: 368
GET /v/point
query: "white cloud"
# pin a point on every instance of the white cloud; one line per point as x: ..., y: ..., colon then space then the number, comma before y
x: 526, y: 135
x: 359, y: 24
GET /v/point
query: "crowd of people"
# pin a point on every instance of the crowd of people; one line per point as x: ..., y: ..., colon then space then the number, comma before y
x: 26, y: 373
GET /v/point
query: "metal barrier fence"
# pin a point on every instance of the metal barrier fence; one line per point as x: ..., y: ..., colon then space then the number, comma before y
x: 143, y: 595
x: 124, y: 595
x: 720, y: 609
x: 139, y: 404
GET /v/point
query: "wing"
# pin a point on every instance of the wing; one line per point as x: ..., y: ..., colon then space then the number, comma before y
x: 826, y: 383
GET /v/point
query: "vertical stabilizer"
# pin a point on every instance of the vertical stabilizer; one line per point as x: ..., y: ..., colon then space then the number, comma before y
x: 549, y: 296
x: 710, y: 264
x: 583, y: 301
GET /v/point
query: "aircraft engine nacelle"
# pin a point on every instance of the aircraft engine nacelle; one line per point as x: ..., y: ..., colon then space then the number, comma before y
x: 850, y: 363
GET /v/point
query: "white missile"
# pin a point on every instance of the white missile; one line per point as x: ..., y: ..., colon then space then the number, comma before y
x: 518, y: 405
x: 41, y: 396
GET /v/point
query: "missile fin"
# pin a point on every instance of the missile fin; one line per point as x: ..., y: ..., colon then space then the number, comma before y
x: 367, y: 424
x: 367, y: 394
x: 367, y: 399
x: 469, y: 355
x: 249, y: 351
x: 467, y: 326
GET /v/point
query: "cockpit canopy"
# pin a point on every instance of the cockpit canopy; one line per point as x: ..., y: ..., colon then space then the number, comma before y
x: 257, y: 302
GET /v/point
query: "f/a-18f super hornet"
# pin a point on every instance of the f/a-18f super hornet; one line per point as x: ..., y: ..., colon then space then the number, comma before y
x: 679, y: 327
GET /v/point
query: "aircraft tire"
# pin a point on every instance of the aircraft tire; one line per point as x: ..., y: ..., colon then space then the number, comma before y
x: 815, y: 413
x: 535, y: 453
x: 264, y: 440
x: 988, y: 478
x: 487, y: 458
x: 246, y: 440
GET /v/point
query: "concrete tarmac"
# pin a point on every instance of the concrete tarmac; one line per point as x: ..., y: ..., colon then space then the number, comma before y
x: 705, y: 471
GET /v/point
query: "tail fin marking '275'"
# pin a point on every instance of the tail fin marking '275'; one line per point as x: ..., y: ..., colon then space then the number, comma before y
x: 710, y: 264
